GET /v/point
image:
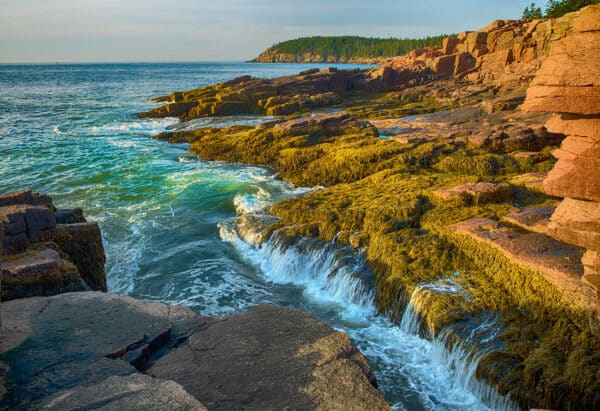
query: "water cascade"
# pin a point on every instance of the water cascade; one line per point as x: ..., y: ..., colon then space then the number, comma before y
x: 441, y: 369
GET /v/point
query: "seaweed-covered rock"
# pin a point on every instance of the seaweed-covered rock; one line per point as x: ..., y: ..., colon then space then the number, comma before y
x: 285, y: 95
x: 479, y: 193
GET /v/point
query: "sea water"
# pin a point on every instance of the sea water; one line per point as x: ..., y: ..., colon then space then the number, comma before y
x: 167, y: 218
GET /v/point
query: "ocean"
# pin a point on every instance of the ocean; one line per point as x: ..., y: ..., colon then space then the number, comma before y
x: 167, y: 218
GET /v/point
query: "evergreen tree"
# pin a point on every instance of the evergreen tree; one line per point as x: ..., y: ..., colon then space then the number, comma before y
x: 351, y: 47
x: 532, y: 12
x: 556, y: 8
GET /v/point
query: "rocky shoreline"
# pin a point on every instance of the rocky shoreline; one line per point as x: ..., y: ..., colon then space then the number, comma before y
x: 460, y: 195
x: 68, y: 350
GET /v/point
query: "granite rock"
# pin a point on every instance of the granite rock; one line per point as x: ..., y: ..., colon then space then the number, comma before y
x: 267, y: 358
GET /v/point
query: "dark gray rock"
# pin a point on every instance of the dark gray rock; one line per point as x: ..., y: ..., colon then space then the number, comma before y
x: 38, y: 219
x: 272, y: 358
x: 82, y: 243
x: 132, y: 392
x: 13, y: 219
x: 55, y: 343
x: 88, y: 350
x: 69, y: 216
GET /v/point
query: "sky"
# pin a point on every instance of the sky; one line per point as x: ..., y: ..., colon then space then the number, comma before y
x: 218, y: 30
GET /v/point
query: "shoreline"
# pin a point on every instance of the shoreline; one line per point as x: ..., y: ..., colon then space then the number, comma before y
x: 432, y: 202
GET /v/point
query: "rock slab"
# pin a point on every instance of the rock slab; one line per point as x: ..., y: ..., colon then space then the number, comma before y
x: 267, y: 358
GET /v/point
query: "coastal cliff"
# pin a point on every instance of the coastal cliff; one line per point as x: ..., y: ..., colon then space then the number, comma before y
x: 95, y: 350
x: 450, y: 206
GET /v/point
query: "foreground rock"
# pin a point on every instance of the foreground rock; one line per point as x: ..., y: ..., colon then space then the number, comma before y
x: 47, y: 251
x: 132, y: 392
x: 568, y: 83
x: 91, y: 349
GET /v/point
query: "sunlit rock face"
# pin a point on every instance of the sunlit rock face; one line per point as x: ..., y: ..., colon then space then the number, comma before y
x: 568, y: 83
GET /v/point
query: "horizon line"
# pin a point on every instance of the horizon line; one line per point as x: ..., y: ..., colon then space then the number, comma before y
x: 31, y: 63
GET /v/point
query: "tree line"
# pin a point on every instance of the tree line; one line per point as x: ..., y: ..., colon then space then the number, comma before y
x: 555, y: 8
x: 352, y: 47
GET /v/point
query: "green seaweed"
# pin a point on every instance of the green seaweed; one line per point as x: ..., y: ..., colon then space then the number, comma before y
x: 379, y: 198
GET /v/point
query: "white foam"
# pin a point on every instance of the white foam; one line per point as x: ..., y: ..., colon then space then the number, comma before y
x: 252, y: 203
x: 150, y: 127
x: 443, y: 379
x: 60, y: 132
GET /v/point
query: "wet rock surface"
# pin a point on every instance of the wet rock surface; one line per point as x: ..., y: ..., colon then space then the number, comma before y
x: 269, y: 357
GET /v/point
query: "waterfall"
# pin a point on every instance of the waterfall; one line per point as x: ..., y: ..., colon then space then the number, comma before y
x: 459, y: 355
x: 438, y: 373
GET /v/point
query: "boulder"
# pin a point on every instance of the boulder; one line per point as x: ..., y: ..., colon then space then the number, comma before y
x: 272, y: 358
x: 569, y: 80
x: 463, y: 63
x: 25, y: 197
x: 267, y: 358
x: 534, y: 219
x: 29, y: 219
x: 558, y: 262
x: 23, y: 222
x: 82, y: 243
x: 532, y: 181
x: 476, y: 40
x: 515, y: 137
x: 449, y: 45
x: 573, y: 125
x: 323, y: 125
x: 38, y: 273
x: 575, y: 174
x: 444, y: 65
x: 478, y: 193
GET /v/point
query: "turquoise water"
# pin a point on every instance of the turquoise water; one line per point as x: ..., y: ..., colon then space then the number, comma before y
x: 167, y: 217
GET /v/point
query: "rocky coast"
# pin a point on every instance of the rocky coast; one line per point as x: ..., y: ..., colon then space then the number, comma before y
x: 438, y: 168
x: 64, y: 346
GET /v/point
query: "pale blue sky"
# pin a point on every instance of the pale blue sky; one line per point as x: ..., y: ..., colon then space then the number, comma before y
x: 218, y: 30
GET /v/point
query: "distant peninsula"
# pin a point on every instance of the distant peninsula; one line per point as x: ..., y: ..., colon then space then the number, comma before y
x: 342, y: 49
